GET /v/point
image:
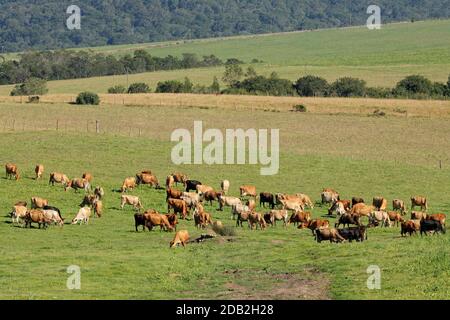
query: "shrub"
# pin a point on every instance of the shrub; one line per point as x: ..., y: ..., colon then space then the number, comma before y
x: 414, y: 85
x: 261, y: 85
x: 117, y: 89
x: 170, y: 86
x: 300, y: 108
x: 139, y: 87
x: 88, y: 98
x: 379, y: 92
x: 31, y: 86
x: 215, y: 86
x: 349, y: 87
x: 312, y: 86
x: 225, y: 231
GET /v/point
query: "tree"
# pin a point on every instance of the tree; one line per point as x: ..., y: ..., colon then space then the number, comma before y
x: 87, y: 97
x: 251, y: 72
x: 233, y: 73
x: 349, y: 87
x: 32, y: 86
x: 170, y: 86
x: 312, y: 86
x: 413, y: 85
x: 215, y: 86
x: 187, y: 85
x: 139, y: 87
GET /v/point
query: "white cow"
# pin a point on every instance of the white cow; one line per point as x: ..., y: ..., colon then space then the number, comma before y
x: 83, y: 216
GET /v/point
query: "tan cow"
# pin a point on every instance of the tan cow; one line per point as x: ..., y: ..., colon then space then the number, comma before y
x: 380, y: 217
x: 201, y: 218
x: 36, y: 216
x: 37, y: 202
x: 293, y: 205
x: 181, y: 237
x: 128, y: 184
x: 173, y: 193
x: 39, y: 171
x: 77, y: 184
x: 419, y: 202
x: 237, y: 209
x: 203, y: 188
x: 87, y: 176
x: 12, y: 171
x: 440, y: 217
x: 279, y: 215
x: 153, y: 219
x: 227, y: 201
x: 53, y: 216
x: 82, y: 216
x: 314, y: 224
x: 330, y: 234
x: 380, y: 203
x: 98, y: 208
x: 178, y: 206
x: 398, y: 204
x: 251, y: 204
x: 18, y: 213
x: 395, y: 217
x: 362, y: 209
x: 418, y: 215
x: 57, y: 177
x: 169, y: 181
x: 300, y: 217
x: 130, y: 200
x: 329, y: 196
x: 247, y: 191
x: 225, y: 186
x: 145, y: 178
x: 305, y: 199
x: 255, y: 219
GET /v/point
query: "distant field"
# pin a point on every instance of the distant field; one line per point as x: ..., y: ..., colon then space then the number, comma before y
x: 357, y: 155
x: 381, y: 57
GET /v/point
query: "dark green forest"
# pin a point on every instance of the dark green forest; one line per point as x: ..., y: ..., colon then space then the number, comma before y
x: 35, y: 24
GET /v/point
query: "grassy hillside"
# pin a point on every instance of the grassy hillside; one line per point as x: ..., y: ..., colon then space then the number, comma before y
x: 381, y: 57
x: 357, y: 155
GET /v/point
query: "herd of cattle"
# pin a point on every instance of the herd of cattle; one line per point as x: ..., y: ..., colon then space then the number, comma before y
x: 286, y: 208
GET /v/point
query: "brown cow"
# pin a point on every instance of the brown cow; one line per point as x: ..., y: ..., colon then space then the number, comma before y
x: 440, y: 217
x: 181, y: 237
x: 169, y: 181
x: 178, y: 206
x: 419, y: 202
x: 36, y: 216
x: 201, y: 218
x: 408, y: 227
x: 340, y: 207
x: 305, y: 199
x: 362, y: 209
x: 398, y: 204
x: 247, y: 191
x: 173, y: 193
x: 279, y: 215
x: 380, y: 203
x: 179, y: 177
x: 77, y: 184
x: 98, y: 208
x: 128, y: 184
x: 300, y: 217
x: 39, y: 170
x: 330, y: 234
x: 418, y: 215
x: 242, y: 216
x: 56, y: 177
x: 255, y: 219
x: 173, y: 220
x: 145, y: 178
x: 88, y: 200
x: 395, y: 217
x: 329, y: 196
x: 130, y: 200
x: 37, y: 202
x: 87, y: 176
x: 211, y: 196
x: 314, y: 224
x: 12, y: 171
x: 153, y: 219
x: 202, y: 188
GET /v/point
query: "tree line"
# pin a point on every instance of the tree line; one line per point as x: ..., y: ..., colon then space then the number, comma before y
x: 41, y: 25
x: 65, y: 64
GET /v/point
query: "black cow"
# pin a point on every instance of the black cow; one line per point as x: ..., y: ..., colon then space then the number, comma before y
x: 139, y: 220
x: 266, y: 197
x: 192, y: 185
x: 431, y: 225
x: 354, y: 233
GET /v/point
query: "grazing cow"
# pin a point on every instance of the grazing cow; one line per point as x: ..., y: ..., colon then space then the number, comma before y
x: 225, y: 186
x: 211, y: 196
x: 18, y: 213
x: 39, y: 171
x: 202, y: 188
x: 237, y: 209
x: 300, y: 217
x: 130, y: 200
x: 173, y: 220
x: 145, y: 178
x: 98, y: 208
x: 153, y: 219
x: 395, y: 217
x: 437, y: 217
x: 380, y: 217
x: 139, y: 220
x: 12, y: 171
x: 427, y: 226
x: 242, y: 216
x: 99, y: 192
x: 266, y: 197
x: 54, y: 209
x: 419, y: 202
x: 247, y: 191
x: 173, y: 193
x: 169, y: 181
x: 348, y: 219
x: 77, y: 184
x: 88, y: 200
x: 201, y: 218
x: 56, y: 177
x: 192, y: 199
x: 305, y: 199
x: 87, y: 176
x: 408, y: 227
x: 255, y: 219
x: 356, y: 200
x: 21, y: 203
x: 340, y: 207
x: 380, y: 203
x: 181, y: 237
x: 128, y: 184
x: 418, y: 215
x: 354, y: 233
x: 279, y: 215
x: 179, y: 177
x: 314, y: 224
x: 329, y: 196
x: 228, y: 201
x: 53, y: 215
x: 330, y: 234
x: 293, y: 205
x: 178, y: 206
x: 251, y: 204
x: 36, y: 216
x: 362, y: 209
x: 37, y: 202
x: 82, y: 216
x: 398, y: 204
x: 191, y: 185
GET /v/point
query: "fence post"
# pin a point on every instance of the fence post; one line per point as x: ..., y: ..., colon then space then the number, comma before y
x: 87, y: 125
x: 57, y: 125
x: 97, y: 126
x: 14, y: 123
x: 440, y: 164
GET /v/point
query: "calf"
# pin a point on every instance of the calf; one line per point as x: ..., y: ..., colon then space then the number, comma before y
x: 130, y: 200
x: 266, y: 198
x: 181, y: 237
x: 39, y: 170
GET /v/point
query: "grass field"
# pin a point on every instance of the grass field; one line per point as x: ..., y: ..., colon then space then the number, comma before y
x: 358, y: 155
x: 381, y: 57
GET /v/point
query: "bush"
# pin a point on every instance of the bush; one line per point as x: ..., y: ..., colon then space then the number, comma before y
x: 349, y: 87
x: 139, y: 87
x: 32, y: 86
x: 438, y: 89
x: 414, y: 85
x: 170, y: 86
x: 312, y: 86
x: 380, y: 93
x: 117, y: 89
x: 261, y: 85
x: 300, y: 108
x: 225, y: 231
x: 88, y: 98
